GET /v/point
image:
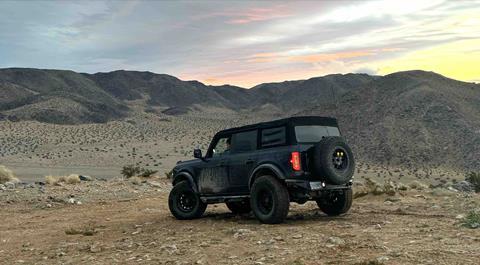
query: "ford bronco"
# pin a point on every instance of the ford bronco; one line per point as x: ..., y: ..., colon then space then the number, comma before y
x: 265, y: 166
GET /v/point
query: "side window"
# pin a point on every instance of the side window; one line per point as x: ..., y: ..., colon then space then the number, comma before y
x: 222, y: 147
x: 273, y: 136
x: 244, y: 142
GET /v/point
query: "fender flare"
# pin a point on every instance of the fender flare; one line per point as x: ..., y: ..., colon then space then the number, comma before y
x: 268, y: 166
x: 184, y: 175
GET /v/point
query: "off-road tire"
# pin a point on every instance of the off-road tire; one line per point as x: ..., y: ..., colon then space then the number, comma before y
x: 323, y: 160
x: 239, y: 207
x: 336, y: 203
x: 269, y: 200
x: 184, y: 203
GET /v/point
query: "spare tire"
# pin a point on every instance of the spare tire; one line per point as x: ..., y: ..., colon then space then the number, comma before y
x: 332, y: 160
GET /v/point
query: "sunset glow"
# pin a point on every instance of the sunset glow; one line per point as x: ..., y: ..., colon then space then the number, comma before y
x: 244, y: 43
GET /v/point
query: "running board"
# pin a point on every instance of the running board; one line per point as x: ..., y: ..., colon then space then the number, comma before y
x: 218, y: 199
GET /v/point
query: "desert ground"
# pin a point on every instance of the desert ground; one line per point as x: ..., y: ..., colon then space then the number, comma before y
x: 81, y: 223
x: 407, y: 216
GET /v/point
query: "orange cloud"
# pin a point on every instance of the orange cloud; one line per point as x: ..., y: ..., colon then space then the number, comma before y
x: 258, y: 14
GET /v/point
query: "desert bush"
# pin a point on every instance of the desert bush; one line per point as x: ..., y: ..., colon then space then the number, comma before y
x: 169, y: 174
x: 134, y: 171
x: 472, y: 220
x: 55, y: 180
x: 474, y: 178
x: 129, y: 171
x: 7, y: 175
x: 417, y: 185
x: 146, y: 173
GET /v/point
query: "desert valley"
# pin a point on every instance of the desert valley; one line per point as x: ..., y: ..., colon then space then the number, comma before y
x: 415, y: 135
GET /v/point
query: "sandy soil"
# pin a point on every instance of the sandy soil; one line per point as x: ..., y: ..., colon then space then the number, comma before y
x: 121, y: 222
x: 33, y: 150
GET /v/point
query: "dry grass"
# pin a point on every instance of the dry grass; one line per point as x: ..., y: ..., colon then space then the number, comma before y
x: 56, y: 180
x: 7, y: 175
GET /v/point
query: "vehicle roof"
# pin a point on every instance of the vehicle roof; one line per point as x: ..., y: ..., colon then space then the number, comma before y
x: 296, y: 120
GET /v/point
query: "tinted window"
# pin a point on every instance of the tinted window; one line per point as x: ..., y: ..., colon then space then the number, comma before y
x: 273, y: 136
x: 244, y: 141
x: 309, y: 134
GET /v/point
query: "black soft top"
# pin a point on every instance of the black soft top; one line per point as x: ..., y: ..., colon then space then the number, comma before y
x: 292, y: 121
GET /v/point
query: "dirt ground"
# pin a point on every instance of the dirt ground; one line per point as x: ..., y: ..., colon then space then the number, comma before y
x: 117, y: 221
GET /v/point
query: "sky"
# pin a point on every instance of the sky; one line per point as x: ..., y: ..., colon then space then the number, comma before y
x: 244, y: 43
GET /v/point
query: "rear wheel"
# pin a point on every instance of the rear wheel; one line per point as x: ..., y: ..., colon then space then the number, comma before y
x: 336, y: 202
x: 184, y: 203
x: 269, y: 200
x: 239, y: 207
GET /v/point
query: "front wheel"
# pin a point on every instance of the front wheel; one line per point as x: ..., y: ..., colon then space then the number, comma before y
x: 269, y: 200
x: 336, y: 202
x: 184, y: 203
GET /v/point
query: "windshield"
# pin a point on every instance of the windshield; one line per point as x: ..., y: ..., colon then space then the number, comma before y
x: 314, y: 133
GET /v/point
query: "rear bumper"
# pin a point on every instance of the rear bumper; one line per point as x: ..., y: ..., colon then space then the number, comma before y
x: 315, y: 186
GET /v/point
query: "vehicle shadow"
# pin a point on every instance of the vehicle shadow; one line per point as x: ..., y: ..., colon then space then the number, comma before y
x: 296, y: 216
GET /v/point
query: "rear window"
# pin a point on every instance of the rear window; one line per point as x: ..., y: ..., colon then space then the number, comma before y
x: 274, y: 136
x: 244, y: 142
x: 314, y: 133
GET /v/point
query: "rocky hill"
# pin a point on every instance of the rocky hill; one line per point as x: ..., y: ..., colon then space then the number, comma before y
x: 412, y: 118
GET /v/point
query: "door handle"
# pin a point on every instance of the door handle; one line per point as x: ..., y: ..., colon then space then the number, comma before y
x: 249, y: 161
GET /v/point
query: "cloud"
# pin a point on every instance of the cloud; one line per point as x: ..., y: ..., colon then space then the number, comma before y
x: 241, y: 42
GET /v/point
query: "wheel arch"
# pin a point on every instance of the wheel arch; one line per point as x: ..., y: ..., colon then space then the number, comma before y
x: 265, y: 169
x: 185, y: 175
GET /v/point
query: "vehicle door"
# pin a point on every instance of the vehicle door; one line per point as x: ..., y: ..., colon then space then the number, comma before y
x: 242, y: 160
x: 213, y: 177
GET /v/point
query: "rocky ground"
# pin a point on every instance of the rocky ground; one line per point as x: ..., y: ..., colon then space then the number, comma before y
x: 127, y: 221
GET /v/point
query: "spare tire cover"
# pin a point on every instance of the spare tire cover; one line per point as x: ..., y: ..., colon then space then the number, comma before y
x: 333, y: 160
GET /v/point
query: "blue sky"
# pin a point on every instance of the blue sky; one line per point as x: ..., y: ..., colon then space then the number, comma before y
x: 241, y: 42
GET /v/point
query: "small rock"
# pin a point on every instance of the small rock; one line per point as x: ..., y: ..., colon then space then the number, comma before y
x: 298, y: 236
x: 382, y: 259
x: 9, y: 185
x: 474, y: 225
x: 71, y: 201
x: 452, y: 189
x: 392, y: 199
x: 95, y: 248
x: 464, y: 186
x: 242, y: 233
x: 170, y: 249
x: 335, y: 240
x: 85, y: 178
x: 154, y: 184
x: 49, y: 205
x: 2, y: 187
x: 460, y: 216
x: 204, y: 244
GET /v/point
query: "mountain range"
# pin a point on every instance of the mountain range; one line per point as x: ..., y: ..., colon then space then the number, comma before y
x: 401, y: 118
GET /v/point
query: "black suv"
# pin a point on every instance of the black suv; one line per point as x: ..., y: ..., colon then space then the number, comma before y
x: 265, y: 166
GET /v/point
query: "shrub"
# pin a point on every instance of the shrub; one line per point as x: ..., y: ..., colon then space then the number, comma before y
x: 6, y: 175
x: 134, y: 171
x: 130, y: 171
x: 474, y: 178
x: 169, y: 174
x: 55, y: 180
x: 146, y: 173
x: 472, y: 220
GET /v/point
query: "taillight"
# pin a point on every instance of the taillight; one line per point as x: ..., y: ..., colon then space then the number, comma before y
x: 295, y: 160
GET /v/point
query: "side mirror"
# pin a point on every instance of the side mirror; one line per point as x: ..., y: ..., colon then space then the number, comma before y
x: 197, y: 153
